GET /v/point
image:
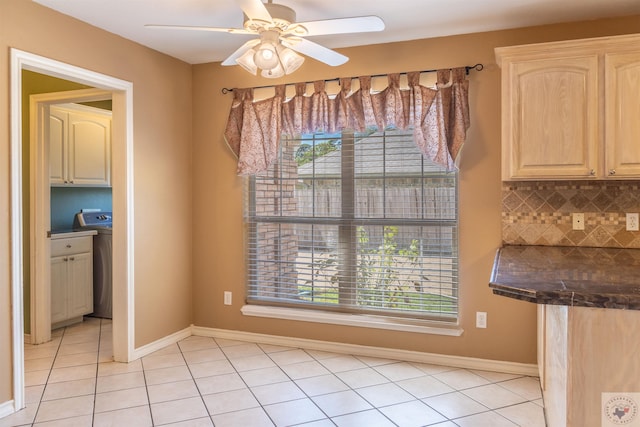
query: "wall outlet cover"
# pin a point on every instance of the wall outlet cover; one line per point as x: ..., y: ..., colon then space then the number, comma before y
x: 632, y: 222
x: 227, y: 297
x: 578, y: 221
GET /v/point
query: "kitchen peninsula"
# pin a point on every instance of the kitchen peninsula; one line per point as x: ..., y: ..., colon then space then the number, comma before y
x: 588, y: 324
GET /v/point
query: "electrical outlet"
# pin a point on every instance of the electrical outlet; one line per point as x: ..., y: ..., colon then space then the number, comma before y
x: 632, y: 222
x: 481, y: 319
x: 227, y: 297
x: 578, y: 221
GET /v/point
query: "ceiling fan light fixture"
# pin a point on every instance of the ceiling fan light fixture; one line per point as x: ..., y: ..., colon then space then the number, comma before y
x: 246, y: 61
x: 290, y: 60
x: 274, y: 73
x: 266, y: 56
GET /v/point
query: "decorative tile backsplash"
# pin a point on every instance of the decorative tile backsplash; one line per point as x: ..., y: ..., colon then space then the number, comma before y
x: 539, y: 213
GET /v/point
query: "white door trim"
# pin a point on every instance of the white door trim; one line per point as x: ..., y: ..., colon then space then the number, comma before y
x: 122, y: 182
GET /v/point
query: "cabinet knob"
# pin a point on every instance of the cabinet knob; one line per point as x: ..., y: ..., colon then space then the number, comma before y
x: 612, y: 171
x: 72, y: 258
x: 592, y: 172
x: 66, y: 259
x: 68, y: 245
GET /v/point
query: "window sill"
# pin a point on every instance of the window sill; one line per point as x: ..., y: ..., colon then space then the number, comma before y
x: 358, y: 320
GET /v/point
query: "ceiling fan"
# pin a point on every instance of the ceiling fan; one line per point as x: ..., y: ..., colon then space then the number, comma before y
x: 280, y: 37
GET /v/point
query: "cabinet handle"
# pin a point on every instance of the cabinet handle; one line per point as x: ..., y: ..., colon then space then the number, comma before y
x: 66, y: 259
x: 612, y: 171
x: 68, y: 245
x: 592, y: 172
x: 72, y: 258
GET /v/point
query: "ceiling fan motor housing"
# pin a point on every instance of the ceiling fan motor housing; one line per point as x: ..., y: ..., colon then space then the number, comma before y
x: 282, y: 16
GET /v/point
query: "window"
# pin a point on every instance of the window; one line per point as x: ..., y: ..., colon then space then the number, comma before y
x: 354, y: 223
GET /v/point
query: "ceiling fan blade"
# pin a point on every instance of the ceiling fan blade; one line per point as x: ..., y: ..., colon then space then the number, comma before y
x: 231, y: 60
x: 360, y: 24
x: 255, y: 10
x: 315, y: 51
x: 196, y: 28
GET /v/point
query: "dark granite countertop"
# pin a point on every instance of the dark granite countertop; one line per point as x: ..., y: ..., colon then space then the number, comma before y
x: 573, y: 276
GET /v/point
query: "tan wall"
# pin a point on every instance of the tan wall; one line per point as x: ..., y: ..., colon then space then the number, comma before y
x: 218, y: 241
x: 162, y: 89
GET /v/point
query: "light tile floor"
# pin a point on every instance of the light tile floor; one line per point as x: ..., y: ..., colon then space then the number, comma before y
x: 200, y: 381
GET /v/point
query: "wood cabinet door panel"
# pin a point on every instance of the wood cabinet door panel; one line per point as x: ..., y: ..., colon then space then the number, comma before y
x: 80, y: 291
x: 622, y: 114
x: 57, y: 150
x: 554, y: 118
x: 89, y: 149
x: 59, y: 280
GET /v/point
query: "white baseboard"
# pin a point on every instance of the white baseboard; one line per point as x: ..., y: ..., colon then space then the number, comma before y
x: 7, y: 408
x: 378, y: 352
x: 161, y: 343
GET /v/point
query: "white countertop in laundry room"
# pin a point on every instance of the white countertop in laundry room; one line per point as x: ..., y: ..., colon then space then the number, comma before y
x: 71, y: 233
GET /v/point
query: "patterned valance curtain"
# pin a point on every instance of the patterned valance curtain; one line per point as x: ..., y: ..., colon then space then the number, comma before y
x: 439, y: 117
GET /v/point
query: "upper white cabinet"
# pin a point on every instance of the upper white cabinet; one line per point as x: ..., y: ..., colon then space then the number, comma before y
x: 79, y: 146
x: 569, y: 109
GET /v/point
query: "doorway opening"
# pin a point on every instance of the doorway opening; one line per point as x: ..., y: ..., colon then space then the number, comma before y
x: 45, y: 199
x: 121, y: 93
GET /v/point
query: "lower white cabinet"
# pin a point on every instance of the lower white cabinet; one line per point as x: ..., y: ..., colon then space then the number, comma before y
x: 71, y: 279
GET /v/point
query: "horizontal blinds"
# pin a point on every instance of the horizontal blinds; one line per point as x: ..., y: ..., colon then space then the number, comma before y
x: 355, y: 223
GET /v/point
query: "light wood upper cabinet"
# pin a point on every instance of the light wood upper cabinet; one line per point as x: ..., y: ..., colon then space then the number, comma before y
x: 79, y: 146
x: 559, y: 99
x: 622, y: 140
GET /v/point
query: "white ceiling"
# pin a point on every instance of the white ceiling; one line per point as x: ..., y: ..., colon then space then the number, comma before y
x: 404, y: 19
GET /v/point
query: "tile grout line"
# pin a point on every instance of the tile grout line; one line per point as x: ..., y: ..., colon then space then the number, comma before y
x: 194, y: 380
x: 146, y: 389
x: 46, y: 384
x: 95, y: 387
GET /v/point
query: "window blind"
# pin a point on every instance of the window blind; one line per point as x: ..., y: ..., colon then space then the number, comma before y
x: 354, y: 222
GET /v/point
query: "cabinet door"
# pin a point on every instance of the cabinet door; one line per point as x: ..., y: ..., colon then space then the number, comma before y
x: 89, y: 149
x: 550, y: 122
x: 57, y: 149
x: 80, y: 289
x: 59, y: 280
x: 622, y: 114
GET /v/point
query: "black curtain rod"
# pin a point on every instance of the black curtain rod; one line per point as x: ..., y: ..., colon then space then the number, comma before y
x: 477, y: 67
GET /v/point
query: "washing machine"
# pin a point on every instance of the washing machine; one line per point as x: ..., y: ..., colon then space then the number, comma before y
x: 102, y: 259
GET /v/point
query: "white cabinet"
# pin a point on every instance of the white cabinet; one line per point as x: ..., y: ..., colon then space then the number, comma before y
x: 569, y: 109
x: 71, y: 279
x: 79, y: 146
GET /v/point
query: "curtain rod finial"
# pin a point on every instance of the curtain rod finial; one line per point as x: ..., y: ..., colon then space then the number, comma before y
x: 477, y: 67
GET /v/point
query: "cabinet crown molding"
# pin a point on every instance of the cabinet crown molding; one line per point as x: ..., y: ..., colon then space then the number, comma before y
x: 563, y: 48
